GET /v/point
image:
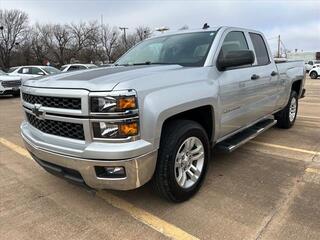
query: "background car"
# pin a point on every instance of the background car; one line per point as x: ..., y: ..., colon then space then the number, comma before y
x: 9, y: 84
x: 28, y: 72
x: 314, y: 73
x: 310, y: 64
x: 77, y: 66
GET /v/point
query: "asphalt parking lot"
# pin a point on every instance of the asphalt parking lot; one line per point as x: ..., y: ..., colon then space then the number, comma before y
x: 267, y: 189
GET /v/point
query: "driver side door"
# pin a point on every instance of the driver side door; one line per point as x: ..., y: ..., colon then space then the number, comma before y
x: 237, y: 88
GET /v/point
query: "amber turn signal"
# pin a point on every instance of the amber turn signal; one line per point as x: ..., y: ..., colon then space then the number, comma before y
x: 125, y: 103
x: 128, y: 129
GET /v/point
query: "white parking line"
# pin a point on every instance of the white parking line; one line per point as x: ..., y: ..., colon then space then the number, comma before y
x: 312, y: 170
x: 311, y: 117
x: 284, y: 147
x: 309, y: 103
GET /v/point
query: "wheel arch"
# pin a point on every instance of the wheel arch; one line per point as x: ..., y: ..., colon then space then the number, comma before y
x: 204, y: 115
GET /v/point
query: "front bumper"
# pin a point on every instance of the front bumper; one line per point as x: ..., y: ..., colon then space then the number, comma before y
x: 139, y: 170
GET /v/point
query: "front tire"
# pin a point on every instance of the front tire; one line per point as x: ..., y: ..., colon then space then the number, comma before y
x: 313, y: 75
x: 182, y: 160
x: 287, y: 116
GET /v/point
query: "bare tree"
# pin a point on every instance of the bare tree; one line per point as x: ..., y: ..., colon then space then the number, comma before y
x: 109, y: 38
x: 61, y: 43
x: 40, y: 43
x: 143, y: 32
x: 14, y: 24
x: 82, y: 35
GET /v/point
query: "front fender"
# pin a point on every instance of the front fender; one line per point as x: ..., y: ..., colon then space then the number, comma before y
x: 164, y: 103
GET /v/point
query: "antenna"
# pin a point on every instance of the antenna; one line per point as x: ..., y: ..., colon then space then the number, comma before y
x: 205, y: 26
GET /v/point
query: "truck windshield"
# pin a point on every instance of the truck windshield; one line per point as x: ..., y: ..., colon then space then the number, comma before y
x: 187, y: 49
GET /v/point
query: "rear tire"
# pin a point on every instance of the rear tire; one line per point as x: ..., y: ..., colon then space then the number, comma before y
x: 182, y: 160
x: 287, y: 116
x: 313, y: 75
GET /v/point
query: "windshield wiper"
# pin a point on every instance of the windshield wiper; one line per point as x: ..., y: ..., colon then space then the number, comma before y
x: 146, y: 63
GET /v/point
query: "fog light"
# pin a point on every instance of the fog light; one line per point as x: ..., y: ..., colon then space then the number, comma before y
x: 110, y: 172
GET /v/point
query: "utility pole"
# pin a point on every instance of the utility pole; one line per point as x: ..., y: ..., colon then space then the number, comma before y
x: 124, y: 35
x: 279, y: 46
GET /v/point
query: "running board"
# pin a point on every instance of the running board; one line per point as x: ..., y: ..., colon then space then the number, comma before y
x: 235, y: 141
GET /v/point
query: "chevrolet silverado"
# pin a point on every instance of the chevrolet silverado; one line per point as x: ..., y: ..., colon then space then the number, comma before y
x: 158, y: 112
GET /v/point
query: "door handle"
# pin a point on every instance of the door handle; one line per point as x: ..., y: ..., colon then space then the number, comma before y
x: 255, y: 77
x: 274, y: 73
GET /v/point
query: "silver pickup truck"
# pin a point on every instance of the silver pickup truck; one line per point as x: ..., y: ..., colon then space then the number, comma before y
x: 160, y: 110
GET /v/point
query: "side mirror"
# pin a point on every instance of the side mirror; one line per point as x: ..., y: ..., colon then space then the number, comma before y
x: 40, y: 73
x: 235, y: 59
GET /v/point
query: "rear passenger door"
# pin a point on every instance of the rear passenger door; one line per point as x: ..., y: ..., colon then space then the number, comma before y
x: 266, y: 83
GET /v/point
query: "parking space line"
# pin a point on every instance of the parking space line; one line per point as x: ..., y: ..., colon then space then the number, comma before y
x: 309, y: 103
x: 139, y: 214
x: 152, y: 221
x: 312, y: 170
x: 15, y: 148
x: 304, y: 116
x: 284, y: 147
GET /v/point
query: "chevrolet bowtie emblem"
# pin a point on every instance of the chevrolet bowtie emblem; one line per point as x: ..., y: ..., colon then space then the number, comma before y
x: 37, y: 112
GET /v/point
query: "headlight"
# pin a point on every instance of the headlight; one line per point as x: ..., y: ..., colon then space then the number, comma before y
x: 118, y: 115
x: 115, y: 130
x: 114, y: 103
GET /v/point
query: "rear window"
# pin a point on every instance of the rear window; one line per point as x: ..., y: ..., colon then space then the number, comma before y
x: 260, y: 49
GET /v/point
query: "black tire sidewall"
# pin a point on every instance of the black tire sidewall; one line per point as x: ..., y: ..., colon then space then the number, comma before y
x: 174, y: 185
x: 289, y: 123
x: 164, y: 179
x: 313, y: 75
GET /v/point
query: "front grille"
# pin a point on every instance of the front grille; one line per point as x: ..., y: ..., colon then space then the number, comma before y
x: 54, y: 102
x: 14, y: 83
x: 58, y: 128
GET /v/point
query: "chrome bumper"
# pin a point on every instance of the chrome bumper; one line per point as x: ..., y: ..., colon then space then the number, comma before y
x: 139, y: 170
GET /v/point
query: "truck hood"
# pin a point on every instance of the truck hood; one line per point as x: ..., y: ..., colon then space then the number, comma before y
x: 9, y: 78
x: 100, y: 79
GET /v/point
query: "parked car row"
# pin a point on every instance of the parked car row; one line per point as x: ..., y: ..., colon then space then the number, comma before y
x: 10, y: 82
x: 28, y: 72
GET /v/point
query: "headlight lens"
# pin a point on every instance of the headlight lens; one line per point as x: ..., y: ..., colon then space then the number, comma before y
x: 115, y: 130
x: 113, y: 104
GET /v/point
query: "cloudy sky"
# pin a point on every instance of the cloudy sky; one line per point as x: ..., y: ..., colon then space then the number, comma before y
x: 298, y: 22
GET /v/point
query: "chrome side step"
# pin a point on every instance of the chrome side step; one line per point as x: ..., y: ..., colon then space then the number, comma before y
x: 235, y: 141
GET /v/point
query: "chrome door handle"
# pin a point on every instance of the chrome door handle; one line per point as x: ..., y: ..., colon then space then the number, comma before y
x: 274, y: 73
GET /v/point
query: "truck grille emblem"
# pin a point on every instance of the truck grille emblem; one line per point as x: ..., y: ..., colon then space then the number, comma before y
x: 37, y: 112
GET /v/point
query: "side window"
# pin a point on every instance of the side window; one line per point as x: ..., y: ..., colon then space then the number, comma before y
x: 80, y: 67
x: 36, y: 71
x: 234, y: 41
x: 25, y: 70
x: 310, y: 63
x: 73, y: 68
x: 260, y: 49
